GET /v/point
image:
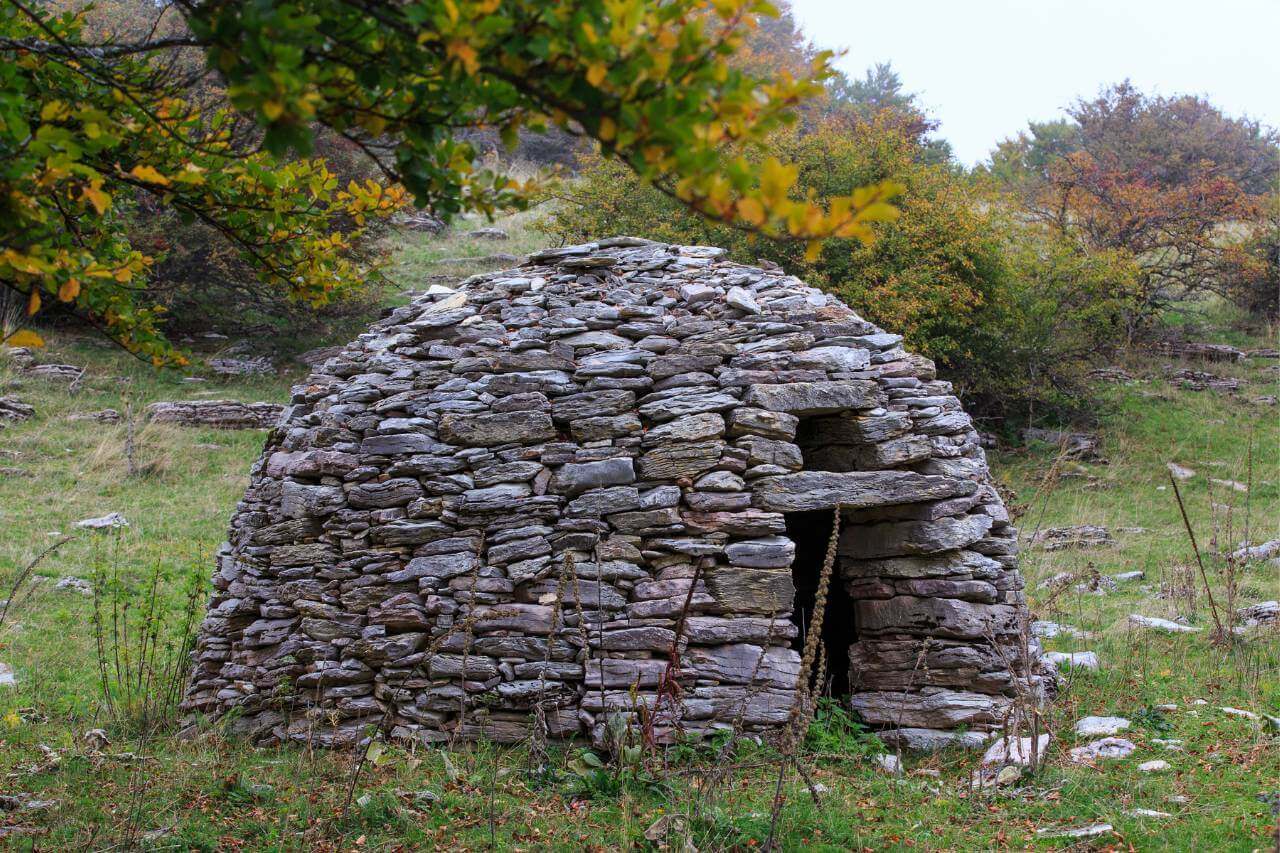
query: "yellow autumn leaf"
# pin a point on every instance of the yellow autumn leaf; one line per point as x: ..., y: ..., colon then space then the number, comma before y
x: 149, y: 174
x: 751, y: 210
x: 12, y: 720
x: 24, y: 338
x: 96, y: 197
x: 608, y: 129
x: 272, y: 110
x: 464, y: 53
x: 33, y: 303
x: 69, y: 290
x: 596, y: 72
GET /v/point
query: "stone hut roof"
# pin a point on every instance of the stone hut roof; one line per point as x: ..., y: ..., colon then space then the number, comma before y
x: 524, y: 493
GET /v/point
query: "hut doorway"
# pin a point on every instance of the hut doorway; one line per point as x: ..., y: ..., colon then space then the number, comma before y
x: 811, y: 532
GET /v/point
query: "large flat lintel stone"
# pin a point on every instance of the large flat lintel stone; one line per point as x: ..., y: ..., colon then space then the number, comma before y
x: 811, y: 490
x: 813, y: 398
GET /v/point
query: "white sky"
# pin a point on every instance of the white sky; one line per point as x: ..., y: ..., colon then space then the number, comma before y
x: 985, y: 67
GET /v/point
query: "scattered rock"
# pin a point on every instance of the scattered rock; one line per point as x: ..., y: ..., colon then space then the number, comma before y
x: 1048, y: 630
x: 1156, y: 766
x: 7, y: 676
x: 105, y: 416
x: 1199, y: 380
x: 13, y: 409
x: 96, y: 739
x: 488, y: 234
x: 1124, y: 577
x: 219, y: 414
x: 1017, y: 751
x: 1171, y: 744
x: 1072, y: 445
x: 1094, y: 726
x: 1152, y: 813
x: 1263, y: 353
x: 1239, y: 712
x: 1091, y: 831
x: 110, y: 521
x: 1111, y: 374
x: 1106, y: 748
x: 1071, y: 660
x: 1264, y: 613
x: 888, y: 763
x: 1201, y: 351
x: 1253, y: 553
x: 420, y: 220
x: 71, y: 583
x: 1234, y: 485
x: 1265, y: 400
x: 1180, y: 472
x: 242, y: 366
x: 1157, y: 624
x: 55, y: 372
x: 1080, y: 536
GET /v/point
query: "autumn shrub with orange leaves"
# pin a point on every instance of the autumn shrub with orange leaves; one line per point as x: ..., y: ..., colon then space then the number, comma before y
x: 1012, y: 315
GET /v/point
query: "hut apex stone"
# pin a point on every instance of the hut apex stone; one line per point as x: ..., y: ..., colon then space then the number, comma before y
x: 494, y: 508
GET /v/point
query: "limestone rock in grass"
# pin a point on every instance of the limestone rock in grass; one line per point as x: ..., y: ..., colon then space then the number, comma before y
x: 110, y: 521
x: 1071, y: 445
x: 1155, y: 623
x: 488, y: 234
x: 219, y: 414
x: 1081, y: 536
x: 641, y: 416
x: 1020, y: 751
x: 889, y: 764
x: 1092, y: 831
x: 13, y: 409
x: 1180, y: 472
x: 1239, y: 712
x: 1256, y: 553
x: 1151, y: 813
x: 104, y: 416
x: 1199, y: 380
x: 1264, y: 613
x: 1129, y: 576
x: 1092, y: 726
x: 54, y: 372
x: 7, y: 677
x: 241, y: 366
x: 1048, y: 630
x: 70, y: 583
x: 933, y: 740
x: 1071, y: 660
x: 1201, y: 351
x: 811, y: 490
x: 1106, y: 748
x: 1156, y: 766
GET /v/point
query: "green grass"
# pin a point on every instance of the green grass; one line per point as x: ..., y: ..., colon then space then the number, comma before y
x: 209, y: 794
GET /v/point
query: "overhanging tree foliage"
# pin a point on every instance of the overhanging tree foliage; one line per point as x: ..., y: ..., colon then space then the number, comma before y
x: 85, y: 128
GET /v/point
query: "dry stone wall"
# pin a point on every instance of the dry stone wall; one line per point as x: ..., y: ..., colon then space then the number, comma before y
x: 522, y: 495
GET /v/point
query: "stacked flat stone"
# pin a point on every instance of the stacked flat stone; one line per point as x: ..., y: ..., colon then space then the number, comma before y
x: 550, y: 457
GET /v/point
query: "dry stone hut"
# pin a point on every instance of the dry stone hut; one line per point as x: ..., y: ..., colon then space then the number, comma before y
x: 503, y: 497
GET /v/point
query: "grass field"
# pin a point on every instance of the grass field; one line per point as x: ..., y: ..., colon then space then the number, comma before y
x: 153, y: 791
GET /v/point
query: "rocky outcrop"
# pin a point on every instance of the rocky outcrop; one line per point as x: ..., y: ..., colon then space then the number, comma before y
x: 523, y: 495
x: 220, y: 414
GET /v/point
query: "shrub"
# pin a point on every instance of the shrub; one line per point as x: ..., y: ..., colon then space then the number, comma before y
x: 1250, y: 272
x: 1012, y: 312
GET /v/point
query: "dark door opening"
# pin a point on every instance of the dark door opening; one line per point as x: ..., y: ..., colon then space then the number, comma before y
x: 811, y: 532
